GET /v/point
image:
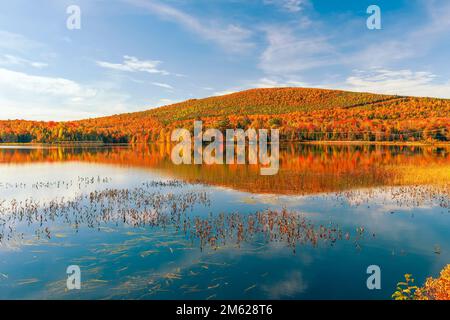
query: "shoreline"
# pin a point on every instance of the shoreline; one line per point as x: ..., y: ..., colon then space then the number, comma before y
x: 56, y: 145
x: 380, y: 143
x: 327, y: 142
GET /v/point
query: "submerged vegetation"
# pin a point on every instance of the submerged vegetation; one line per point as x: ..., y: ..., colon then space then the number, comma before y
x: 300, y: 114
x: 143, y: 207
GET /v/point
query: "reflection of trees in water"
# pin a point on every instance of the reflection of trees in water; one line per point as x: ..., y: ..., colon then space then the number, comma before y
x: 304, y: 169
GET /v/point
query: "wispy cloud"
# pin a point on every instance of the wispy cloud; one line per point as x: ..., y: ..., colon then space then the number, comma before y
x: 415, y: 42
x: 133, y: 64
x: 231, y: 37
x: 417, y: 39
x: 287, y: 53
x: 277, y: 83
x: 8, y: 59
x: 265, y: 83
x: 438, y: 13
x: 165, y: 102
x: 401, y: 82
x: 162, y: 85
x: 289, y: 5
x: 225, y: 92
x: 16, y: 42
x: 290, y: 50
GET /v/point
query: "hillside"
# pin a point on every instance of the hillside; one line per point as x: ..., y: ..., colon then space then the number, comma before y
x: 299, y: 113
x: 265, y: 101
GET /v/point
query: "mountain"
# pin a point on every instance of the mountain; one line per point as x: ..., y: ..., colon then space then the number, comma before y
x: 299, y: 113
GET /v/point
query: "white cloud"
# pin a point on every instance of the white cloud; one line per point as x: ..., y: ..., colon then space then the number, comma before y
x: 231, y: 37
x: 225, y: 92
x: 25, y: 96
x: 400, y: 82
x: 294, y: 5
x: 165, y: 102
x: 273, y: 83
x: 8, y: 59
x: 133, y: 64
x: 162, y: 85
x: 42, y: 85
x: 289, y: 5
x: 264, y: 83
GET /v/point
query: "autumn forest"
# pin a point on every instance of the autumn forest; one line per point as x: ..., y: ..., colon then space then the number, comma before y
x: 300, y: 114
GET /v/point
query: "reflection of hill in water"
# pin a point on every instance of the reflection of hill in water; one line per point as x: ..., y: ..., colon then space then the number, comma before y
x: 304, y: 169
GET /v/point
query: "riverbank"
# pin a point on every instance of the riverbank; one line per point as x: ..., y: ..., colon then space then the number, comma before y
x: 381, y: 143
x: 352, y: 142
x: 72, y: 144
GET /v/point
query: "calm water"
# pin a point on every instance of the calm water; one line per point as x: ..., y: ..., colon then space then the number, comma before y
x: 140, y: 227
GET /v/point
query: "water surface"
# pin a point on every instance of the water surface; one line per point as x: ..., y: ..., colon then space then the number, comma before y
x: 140, y: 227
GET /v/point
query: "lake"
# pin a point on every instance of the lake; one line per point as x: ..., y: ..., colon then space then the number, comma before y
x: 140, y: 227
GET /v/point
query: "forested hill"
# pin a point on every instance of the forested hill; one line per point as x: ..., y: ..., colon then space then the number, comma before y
x: 266, y: 101
x: 299, y: 113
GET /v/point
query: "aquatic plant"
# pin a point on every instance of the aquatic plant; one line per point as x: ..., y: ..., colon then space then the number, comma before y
x: 144, y: 206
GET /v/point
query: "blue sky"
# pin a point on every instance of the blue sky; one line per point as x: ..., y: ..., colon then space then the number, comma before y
x: 132, y: 55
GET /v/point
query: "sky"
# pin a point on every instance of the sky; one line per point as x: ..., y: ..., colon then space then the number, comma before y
x: 132, y: 55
